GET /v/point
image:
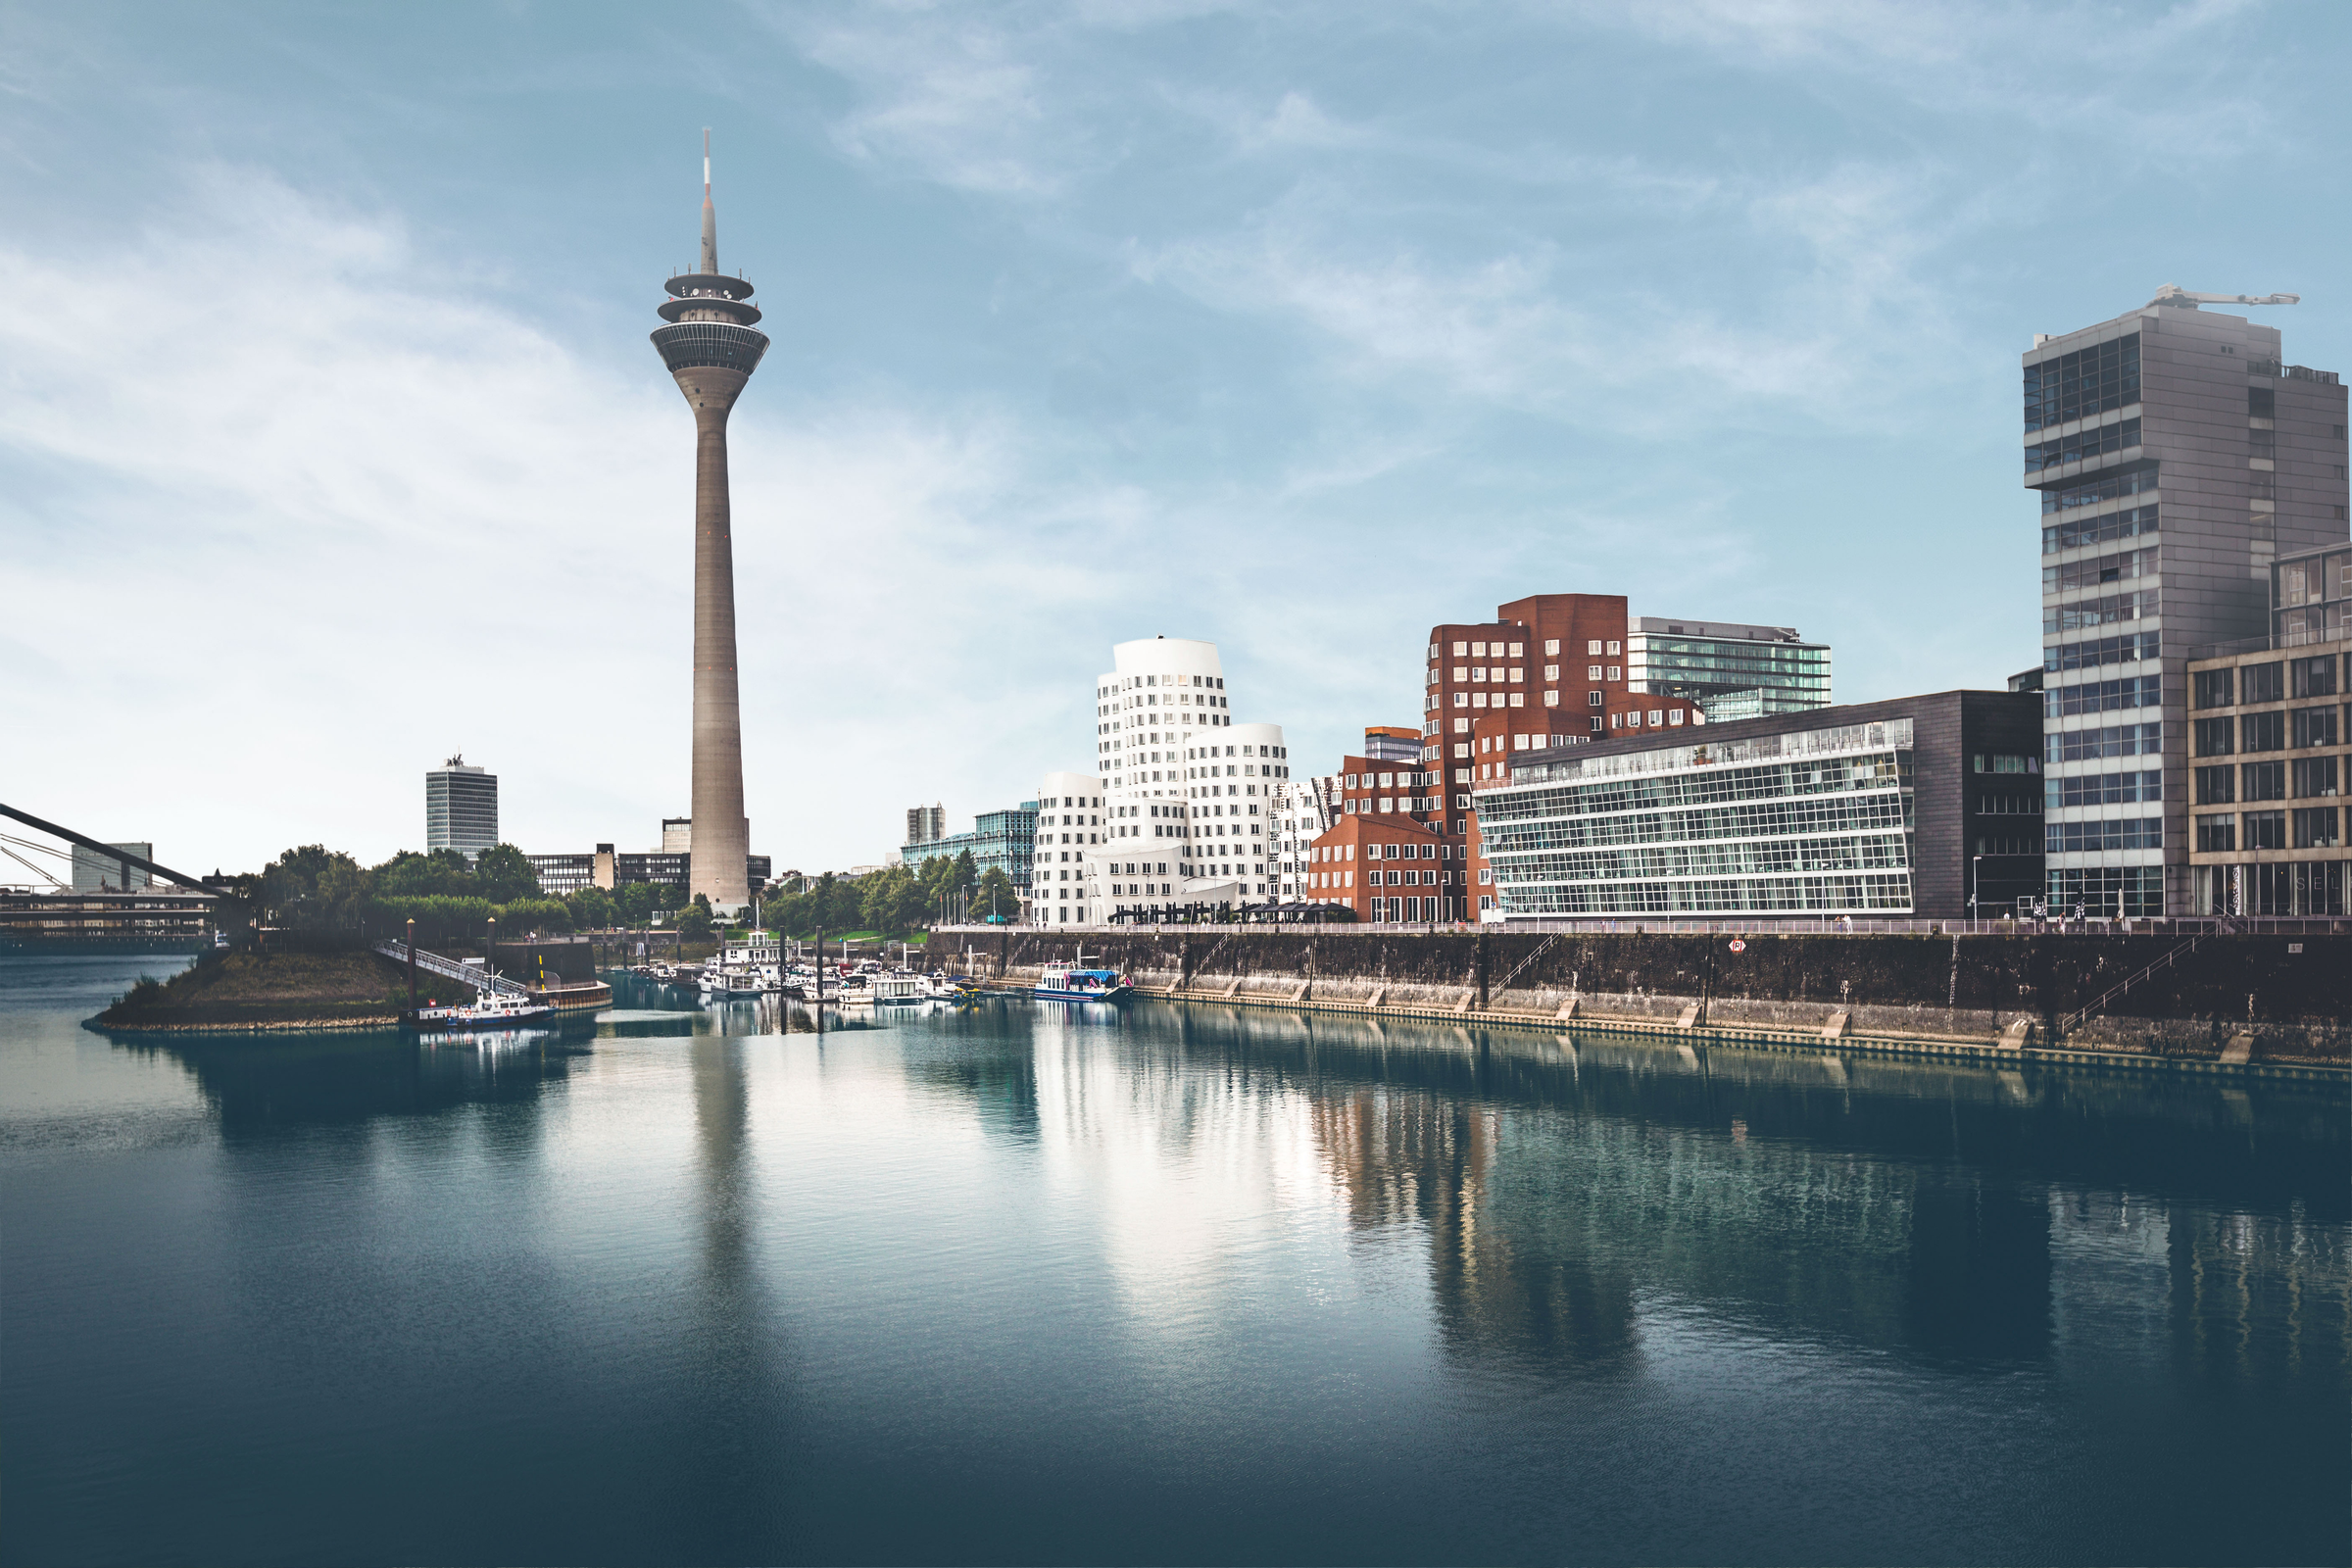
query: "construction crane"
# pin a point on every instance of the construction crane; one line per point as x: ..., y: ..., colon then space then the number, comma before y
x: 2181, y: 299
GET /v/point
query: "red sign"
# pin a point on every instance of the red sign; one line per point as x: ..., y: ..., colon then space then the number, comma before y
x: 1739, y: 946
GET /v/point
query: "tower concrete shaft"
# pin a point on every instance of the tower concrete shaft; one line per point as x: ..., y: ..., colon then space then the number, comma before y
x: 710, y: 351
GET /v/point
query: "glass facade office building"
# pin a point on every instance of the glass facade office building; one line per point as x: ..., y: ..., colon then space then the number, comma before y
x: 1883, y: 808
x: 2176, y: 459
x: 1731, y: 670
x: 1006, y: 840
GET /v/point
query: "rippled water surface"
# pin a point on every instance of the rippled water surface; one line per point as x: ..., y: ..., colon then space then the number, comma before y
x: 1186, y: 1285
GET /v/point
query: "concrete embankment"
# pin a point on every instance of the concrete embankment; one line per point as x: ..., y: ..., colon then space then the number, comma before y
x: 2230, y: 1001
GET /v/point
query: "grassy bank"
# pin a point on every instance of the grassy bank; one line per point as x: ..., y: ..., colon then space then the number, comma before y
x: 232, y: 990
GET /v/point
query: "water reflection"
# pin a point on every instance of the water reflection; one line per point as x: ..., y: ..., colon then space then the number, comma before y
x: 1564, y: 1187
x: 258, y: 1084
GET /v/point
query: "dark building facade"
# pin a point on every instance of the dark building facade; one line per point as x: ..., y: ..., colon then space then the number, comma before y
x: 1903, y: 808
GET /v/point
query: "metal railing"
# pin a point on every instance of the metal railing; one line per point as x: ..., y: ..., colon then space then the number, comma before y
x: 482, y: 978
x: 2076, y: 1019
x: 1829, y: 925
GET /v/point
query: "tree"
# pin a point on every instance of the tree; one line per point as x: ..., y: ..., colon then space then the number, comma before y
x: 592, y: 908
x: 409, y: 874
x: 635, y: 902
x: 694, y: 920
x: 996, y: 896
x: 503, y: 873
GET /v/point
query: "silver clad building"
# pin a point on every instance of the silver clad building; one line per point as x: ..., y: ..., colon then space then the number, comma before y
x: 1731, y: 670
x: 2176, y: 457
x: 460, y: 807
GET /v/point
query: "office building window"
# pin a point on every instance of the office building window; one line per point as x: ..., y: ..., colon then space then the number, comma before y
x: 2216, y: 688
x: 2093, y: 652
x: 2216, y: 737
x: 2312, y: 726
x: 2131, y: 523
x: 2315, y: 775
x: 2262, y: 781
x: 2265, y: 830
x: 2092, y: 381
x: 2314, y: 677
x: 2082, y: 446
x: 2262, y: 732
x: 2217, y: 786
x: 2263, y: 683
x: 2315, y: 827
x: 2217, y: 835
x: 2113, y: 740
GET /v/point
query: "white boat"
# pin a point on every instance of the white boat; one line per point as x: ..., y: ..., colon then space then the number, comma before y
x: 491, y: 1010
x: 1066, y: 982
x: 899, y: 990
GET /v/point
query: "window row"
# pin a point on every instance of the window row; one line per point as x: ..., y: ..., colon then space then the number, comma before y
x: 2130, y: 523
x: 2108, y: 487
x: 2093, y: 652
x: 1869, y: 814
x: 2104, y: 788
x: 2122, y: 566
x: 2103, y: 696
x: 1480, y: 674
x: 2106, y: 611
x: 2115, y: 740
x: 1702, y: 788
x: 2274, y: 682
x: 2303, y: 827
x: 1858, y: 893
x: 2107, y: 892
x: 2305, y: 777
x: 2083, y: 838
x: 2292, y: 887
x: 2273, y: 731
x: 1862, y: 853
x: 2083, y: 445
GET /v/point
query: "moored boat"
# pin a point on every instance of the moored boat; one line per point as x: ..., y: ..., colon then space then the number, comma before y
x: 1065, y: 982
x: 490, y: 1010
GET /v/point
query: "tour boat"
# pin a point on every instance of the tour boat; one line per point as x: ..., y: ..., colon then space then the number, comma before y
x: 1064, y: 982
x: 490, y: 1010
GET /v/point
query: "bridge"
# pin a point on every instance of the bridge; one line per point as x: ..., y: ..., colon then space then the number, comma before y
x: 451, y: 968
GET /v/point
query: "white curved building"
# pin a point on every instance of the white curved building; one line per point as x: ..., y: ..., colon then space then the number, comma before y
x: 1186, y: 794
x: 1070, y: 812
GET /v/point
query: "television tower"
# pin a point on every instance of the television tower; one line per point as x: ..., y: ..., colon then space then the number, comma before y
x: 709, y: 347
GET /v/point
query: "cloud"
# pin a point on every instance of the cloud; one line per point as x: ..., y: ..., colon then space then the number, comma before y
x: 295, y: 510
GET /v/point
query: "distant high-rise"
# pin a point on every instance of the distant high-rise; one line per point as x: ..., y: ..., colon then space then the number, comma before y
x: 926, y: 825
x: 94, y: 872
x: 2176, y: 458
x: 710, y: 349
x: 461, y: 808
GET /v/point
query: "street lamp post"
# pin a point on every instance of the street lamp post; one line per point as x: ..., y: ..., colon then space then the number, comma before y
x: 1973, y: 862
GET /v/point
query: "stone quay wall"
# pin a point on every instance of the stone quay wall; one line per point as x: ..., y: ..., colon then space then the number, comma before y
x: 2292, y: 994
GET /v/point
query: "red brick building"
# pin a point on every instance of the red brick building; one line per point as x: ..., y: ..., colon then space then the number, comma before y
x: 1387, y: 868
x: 1547, y: 671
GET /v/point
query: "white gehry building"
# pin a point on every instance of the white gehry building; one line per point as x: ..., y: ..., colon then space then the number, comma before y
x: 1187, y: 795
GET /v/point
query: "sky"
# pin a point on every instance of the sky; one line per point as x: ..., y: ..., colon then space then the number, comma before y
x: 331, y: 443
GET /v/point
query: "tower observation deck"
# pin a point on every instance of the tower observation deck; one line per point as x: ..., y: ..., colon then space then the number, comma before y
x: 709, y: 347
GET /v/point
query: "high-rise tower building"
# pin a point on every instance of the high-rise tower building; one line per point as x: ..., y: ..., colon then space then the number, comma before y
x: 460, y: 807
x: 2176, y: 458
x: 709, y: 347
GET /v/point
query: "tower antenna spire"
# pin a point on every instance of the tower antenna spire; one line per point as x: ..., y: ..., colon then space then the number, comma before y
x: 710, y: 264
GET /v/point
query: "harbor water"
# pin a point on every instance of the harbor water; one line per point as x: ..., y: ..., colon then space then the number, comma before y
x: 1037, y: 1283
